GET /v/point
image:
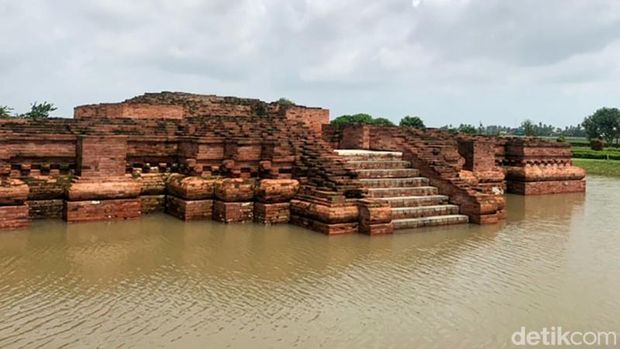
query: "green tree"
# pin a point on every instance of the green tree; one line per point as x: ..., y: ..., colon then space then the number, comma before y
x: 353, y: 119
x: 468, y: 129
x: 412, y: 121
x: 5, y: 112
x: 285, y: 101
x: 40, y: 111
x: 529, y: 129
x: 382, y: 122
x: 604, y: 123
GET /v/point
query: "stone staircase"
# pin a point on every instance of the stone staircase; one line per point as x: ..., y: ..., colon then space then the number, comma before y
x: 415, y: 203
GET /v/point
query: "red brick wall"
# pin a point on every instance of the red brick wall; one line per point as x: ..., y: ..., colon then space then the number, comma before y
x: 102, y: 156
x: 315, y: 118
x: 127, y: 110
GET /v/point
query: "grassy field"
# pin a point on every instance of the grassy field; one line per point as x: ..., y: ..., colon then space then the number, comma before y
x: 599, y: 167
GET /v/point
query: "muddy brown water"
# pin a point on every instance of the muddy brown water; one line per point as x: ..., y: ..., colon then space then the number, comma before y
x: 159, y: 282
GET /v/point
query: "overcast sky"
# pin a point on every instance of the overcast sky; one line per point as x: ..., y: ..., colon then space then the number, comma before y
x: 459, y: 61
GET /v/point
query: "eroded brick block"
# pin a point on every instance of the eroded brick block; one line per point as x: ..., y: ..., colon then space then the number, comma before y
x: 235, y: 189
x: 276, y: 190
x: 191, y: 188
x: 325, y: 228
x: 272, y: 213
x: 41, y: 209
x: 189, y: 209
x: 99, y: 210
x: 13, y: 217
x: 152, y: 203
x: 233, y: 212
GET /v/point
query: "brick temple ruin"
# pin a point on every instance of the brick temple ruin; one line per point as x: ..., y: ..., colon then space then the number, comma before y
x: 239, y: 160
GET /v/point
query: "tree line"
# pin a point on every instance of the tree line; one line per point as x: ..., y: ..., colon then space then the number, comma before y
x: 604, y: 124
x: 367, y: 119
x: 37, y: 111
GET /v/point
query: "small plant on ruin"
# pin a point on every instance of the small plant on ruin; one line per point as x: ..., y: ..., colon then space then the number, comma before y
x: 382, y: 122
x: 5, y: 112
x: 40, y: 111
x: 412, y: 121
x: 352, y: 119
x: 285, y: 101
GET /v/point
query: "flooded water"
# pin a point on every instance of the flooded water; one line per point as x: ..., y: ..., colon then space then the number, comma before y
x: 159, y: 282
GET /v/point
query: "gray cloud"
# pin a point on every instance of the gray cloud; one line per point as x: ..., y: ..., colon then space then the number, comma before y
x: 450, y: 61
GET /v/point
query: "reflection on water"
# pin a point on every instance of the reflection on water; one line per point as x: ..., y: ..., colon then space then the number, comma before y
x: 159, y: 282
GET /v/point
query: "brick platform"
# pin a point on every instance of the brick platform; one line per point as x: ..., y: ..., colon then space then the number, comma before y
x: 14, y: 217
x: 272, y: 213
x: 189, y: 209
x: 41, y: 209
x: 99, y: 210
x: 233, y: 212
x: 547, y: 187
x: 152, y: 203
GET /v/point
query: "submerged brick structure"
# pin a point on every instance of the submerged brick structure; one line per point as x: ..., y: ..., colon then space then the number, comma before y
x: 237, y: 160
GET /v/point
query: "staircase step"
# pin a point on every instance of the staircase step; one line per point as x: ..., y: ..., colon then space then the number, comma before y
x: 410, y: 223
x: 424, y: 211
x: 416, y: 201
x: 388, y: 173
x: 380, y: 164
x: 361, y: 155
x: 395, y: 182
x: 403, y: 191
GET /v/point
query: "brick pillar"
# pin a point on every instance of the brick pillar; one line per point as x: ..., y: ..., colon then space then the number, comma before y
x: 13, y: 208
x: 102, y: 191
x: 479, y: 155
x: 355, y: 137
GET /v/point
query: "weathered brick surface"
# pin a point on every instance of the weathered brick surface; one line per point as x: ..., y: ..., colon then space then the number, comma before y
x: 235, y: 189
x: 41, y: 209
x: 375, y: 217
x: 325, y: 228
x: 233, y: 212
x: 272, y: 213
x: 101, y: 156
x: 98, y: 210
x: 276, y: 190
x: 13, y: 192
x: 152, y: 204
x: 13, y: 217
x: 191, y: 188
x: 106, y: 188
x: 547, y: 187
x: 129, y: 110
x: 189, y: 209
x: 331, y: 214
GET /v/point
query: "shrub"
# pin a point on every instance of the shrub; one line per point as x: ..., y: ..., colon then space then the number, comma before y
x: 285, y: 101
x: 353, y: 119
x: 412, y: 121
x: 597, y: 144
x: 382, y: 122
x: 5, y: 112
x: 40, y: 111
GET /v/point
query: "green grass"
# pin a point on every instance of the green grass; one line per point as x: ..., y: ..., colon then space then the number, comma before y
x: 609, y: 168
